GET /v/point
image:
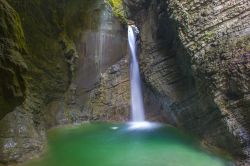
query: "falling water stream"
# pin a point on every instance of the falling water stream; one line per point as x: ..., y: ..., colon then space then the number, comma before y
x: 113, y: 144
x: 137, y: 107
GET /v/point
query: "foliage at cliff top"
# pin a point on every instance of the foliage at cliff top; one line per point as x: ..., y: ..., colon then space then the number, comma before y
x: 118, y: 9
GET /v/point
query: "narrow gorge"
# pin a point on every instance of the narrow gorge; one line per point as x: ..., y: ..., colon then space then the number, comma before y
x: 69, y: 82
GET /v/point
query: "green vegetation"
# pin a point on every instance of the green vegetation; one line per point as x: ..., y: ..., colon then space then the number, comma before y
x: 118, y: 9
x: 50, y: 29
x: 12, y: 63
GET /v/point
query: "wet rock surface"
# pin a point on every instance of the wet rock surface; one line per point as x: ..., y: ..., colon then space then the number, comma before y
x: 110, y: 99
x: 12, y: 64
x: 99, y: 90
x: 66, y: 62
x: 72, y: 56
x: 192, y: 53
x: 19, y: 137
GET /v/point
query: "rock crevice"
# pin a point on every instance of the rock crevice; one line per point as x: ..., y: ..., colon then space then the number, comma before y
x: 189, y: 58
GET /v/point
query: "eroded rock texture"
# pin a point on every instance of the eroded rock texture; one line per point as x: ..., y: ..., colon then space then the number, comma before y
x: 66, y: 62
x: 19, y: 138
x: 195, y: 56
x: 99, y: 89
x: 12, y: 64
x: 110, y: 100
x: 59, y: 60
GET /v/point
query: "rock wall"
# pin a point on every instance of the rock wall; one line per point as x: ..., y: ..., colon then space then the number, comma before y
x: 195, y: 57
x: 66, y: 62
x: 56, y: 58
x: 100, y: 86
x: 12, y: 64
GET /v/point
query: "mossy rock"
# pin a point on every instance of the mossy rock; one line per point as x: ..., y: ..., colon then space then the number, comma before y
x: 12, y: 63
x: 118, y: 9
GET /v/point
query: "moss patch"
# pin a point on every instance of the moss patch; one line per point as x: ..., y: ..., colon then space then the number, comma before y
x: 12, y: 63
x: 118, y: 9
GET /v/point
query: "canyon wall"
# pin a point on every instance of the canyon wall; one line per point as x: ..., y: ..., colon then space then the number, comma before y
x: 195, y: 57
x: 12, y: 65
x: 99, y: 89
x: 61, y: 62
x: 66, y: 62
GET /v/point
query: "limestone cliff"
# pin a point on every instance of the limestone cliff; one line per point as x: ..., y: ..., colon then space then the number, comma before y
x: 195, y: 56
x: 66, y: 62
x: 12, y: 64
x: 56, y: 58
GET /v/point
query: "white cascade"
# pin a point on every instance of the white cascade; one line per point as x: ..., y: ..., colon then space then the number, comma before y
x: 137, y: 106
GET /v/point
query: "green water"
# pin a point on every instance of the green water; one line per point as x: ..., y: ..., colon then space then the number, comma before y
x: 119, y: 145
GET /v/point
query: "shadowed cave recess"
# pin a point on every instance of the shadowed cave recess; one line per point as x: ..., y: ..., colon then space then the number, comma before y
x: 65, y: 62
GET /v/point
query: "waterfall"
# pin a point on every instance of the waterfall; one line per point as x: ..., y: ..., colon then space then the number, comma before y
x: 137, y: 107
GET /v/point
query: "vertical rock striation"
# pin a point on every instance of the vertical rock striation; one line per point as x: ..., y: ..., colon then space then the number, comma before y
x: 99, y: 89
x: 195, y: 56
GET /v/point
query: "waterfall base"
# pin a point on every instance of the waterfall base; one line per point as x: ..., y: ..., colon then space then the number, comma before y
x: 116, y: 144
